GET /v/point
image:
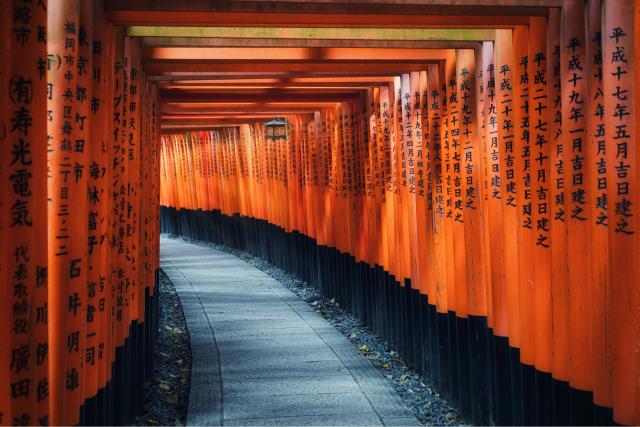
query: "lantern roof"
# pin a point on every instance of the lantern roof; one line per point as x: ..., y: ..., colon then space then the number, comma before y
x: 276, y: 122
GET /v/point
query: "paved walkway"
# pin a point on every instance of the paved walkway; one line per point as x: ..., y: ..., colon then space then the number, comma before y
x: 261, y: 356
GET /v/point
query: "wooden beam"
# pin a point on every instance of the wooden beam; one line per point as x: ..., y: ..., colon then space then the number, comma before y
x: 233, y: 19
x: 231, y: 42
x: 361, y: 14
x: 244, y: 92
x: 279, y: 85
x: 217, y: 121
x: 242, y: 115
x: 332, y: 6
x: 196, y: 97
x: 224, y: 111
x: 318, y: 33
x: 268, y: 83
x: 226, y: 76
x: 195, y: 67
x: 245, y: 106
x: 290, y: 54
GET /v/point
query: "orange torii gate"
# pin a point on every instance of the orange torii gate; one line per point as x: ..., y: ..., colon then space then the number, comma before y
x: 78, y: 290
x: 463, y: 180
x: 472, y: 199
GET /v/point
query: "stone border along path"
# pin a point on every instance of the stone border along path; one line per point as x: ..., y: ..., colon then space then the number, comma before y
x: 261, y: 356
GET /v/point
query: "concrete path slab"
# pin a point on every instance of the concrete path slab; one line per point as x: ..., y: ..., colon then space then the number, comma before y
x: 261, y: 356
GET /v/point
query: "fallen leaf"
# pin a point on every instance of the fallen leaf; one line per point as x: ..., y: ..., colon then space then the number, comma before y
x: 165, y: 386
x: 363, y: 347
x: 164, y: 355
x: 372, y: 357
x: 171, y: 399
x: 385, y: 366
x: 404, y: 377
x: 332, y: 300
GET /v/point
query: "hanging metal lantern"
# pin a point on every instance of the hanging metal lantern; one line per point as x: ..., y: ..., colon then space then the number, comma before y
x: 276, y: 129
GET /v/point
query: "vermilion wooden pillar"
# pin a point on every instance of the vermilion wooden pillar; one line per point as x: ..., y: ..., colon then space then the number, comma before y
x: 24, y: 375
x: 573, y: 65
x: 539, y: 143
x: 597, y: 202
x: 504, y: 77
x: 436, y: 112
x: 620, y: 103
x: 98, y: 224
x: 66, y: 187
x: 424, y: 184
x: 5, y: 13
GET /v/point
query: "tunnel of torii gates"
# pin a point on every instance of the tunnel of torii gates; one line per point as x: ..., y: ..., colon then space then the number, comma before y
x: 460, y: 177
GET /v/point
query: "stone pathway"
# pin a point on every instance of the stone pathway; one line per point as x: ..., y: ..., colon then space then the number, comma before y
x: 261, y: 356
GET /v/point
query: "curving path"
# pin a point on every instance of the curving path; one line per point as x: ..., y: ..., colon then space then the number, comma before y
x: 261, y: 356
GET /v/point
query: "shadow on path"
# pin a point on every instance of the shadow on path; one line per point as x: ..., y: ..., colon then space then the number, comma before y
x: 261, y: 356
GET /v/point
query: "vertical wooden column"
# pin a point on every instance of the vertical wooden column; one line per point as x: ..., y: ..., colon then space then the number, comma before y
x: 83, y: 142
x: 455, y: 112
x: 448, y: 86
x: 401, y: 230
x: 371, y: 185
x: 470, y: 177
x: 539, y: 124
x: 424, y: 201
x: 559, y: 272
x: 504, y: 109
x: 100, y: 146
x: 620, y: 104
x: 348, y: 144
x: 66, y: 188
x: 465, y: 201
x: 386, y: 162
x: 436, y: 108
x: 134, y: 151
x: 481, y: 339
x: 24, y: 377
x: 573, y: 65
x: 118, y: 193
x: 504, y: 75
x: 521, y: 158
x: 494, y: 192
x: 596, y: 175
x: 483, y: 182
x: 5, y: 343
x: 409, y: 123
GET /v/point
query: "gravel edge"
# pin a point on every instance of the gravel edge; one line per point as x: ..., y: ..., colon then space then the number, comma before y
x: 167, y: 392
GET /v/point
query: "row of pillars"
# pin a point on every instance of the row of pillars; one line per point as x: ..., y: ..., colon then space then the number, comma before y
x: 499, y: 183
x: 79, y: 234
